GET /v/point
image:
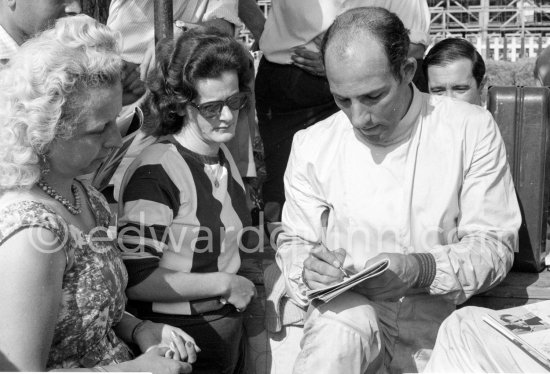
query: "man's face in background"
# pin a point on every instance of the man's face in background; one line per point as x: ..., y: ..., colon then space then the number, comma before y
x: 456, y: 80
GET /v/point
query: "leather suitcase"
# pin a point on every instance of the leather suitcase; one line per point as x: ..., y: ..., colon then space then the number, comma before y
x: 522, y: 116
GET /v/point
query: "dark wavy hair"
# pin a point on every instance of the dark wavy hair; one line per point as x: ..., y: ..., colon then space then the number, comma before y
x: 383, y: 25
x: 197, y: 54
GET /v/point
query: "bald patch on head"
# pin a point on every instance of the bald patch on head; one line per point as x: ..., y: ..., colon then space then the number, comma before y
x: 364, y: 52
x: 345, y: 44
x: 341, y: 44
x: 365, y: 23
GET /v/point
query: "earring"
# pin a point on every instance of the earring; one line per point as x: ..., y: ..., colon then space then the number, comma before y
x: 45, y: 167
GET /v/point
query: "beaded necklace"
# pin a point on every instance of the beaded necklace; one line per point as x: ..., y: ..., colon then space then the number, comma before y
x: 73, y: 209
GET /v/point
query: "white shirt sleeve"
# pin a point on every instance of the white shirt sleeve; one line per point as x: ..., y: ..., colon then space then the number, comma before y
x: 135, y: 20
x: 302, y: 221
x: 224, y: 9
x: 488, y: 223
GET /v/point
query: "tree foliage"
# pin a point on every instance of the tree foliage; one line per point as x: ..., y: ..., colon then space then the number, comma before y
x: 507, y: 73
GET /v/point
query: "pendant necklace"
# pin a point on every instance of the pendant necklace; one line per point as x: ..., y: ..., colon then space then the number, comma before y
x: 215, y: 175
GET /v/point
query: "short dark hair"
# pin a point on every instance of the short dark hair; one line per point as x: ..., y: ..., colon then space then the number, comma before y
x: 383, y: 25
x: 450, y: 50
x: 197, y: 54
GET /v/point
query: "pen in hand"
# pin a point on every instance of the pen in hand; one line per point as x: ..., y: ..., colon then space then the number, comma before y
x: 337, y: 262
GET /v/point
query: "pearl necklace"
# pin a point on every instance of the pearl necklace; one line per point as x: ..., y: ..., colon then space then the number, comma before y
x: 73, y: 209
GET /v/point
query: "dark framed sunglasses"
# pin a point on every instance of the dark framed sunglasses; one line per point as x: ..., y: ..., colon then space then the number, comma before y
x: 212, y: 109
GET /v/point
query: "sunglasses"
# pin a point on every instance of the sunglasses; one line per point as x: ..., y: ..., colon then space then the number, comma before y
x: 212, y: 109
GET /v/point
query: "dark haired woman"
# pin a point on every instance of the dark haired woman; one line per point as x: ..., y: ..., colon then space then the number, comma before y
x: 182, y: 201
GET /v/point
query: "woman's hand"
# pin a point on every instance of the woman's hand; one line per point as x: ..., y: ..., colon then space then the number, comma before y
x: 182, y: 346
x: 240, y: 292
x: 154, y: 361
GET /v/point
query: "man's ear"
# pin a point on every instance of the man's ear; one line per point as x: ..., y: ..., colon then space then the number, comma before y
x: 408, y: 69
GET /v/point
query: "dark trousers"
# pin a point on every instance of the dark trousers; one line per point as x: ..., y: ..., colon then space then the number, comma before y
x: 218, y: 334
x: 287, y: 100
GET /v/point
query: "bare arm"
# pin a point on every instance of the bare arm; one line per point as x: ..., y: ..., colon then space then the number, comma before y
x: 31, y: 274
x: 164, y: 285
x: 171, y: 286
x: 148, y: 335
x: 31, y: 286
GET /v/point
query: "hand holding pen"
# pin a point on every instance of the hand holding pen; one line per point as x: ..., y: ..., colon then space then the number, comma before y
x: 338, y: 262
x: 324, y: 267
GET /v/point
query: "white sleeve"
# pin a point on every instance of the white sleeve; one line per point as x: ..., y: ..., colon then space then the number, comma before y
x: 225, y: 9
x: 302, y: 219
x: 488, y: 224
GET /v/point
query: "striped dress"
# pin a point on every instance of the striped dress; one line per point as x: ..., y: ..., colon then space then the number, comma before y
x: 181, y: 211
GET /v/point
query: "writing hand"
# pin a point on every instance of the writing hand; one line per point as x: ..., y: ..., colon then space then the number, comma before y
x: 322, y: 267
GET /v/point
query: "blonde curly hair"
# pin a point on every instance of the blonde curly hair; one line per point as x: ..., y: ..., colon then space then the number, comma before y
x: 44, y: 92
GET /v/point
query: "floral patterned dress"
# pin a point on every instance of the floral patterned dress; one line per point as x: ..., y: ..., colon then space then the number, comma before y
x: 94, y: 281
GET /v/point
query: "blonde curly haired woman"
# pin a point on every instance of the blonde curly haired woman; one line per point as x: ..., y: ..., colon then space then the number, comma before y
x: 62, y: 280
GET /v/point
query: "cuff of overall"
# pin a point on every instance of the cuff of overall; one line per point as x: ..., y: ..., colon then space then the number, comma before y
x: 426, y: 275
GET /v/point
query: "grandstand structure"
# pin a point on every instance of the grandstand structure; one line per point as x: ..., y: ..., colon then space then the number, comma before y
x: 500, y: 29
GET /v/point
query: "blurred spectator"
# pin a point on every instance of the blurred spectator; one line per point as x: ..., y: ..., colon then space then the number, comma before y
x: 455, y: 68
x: 22, y: 19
